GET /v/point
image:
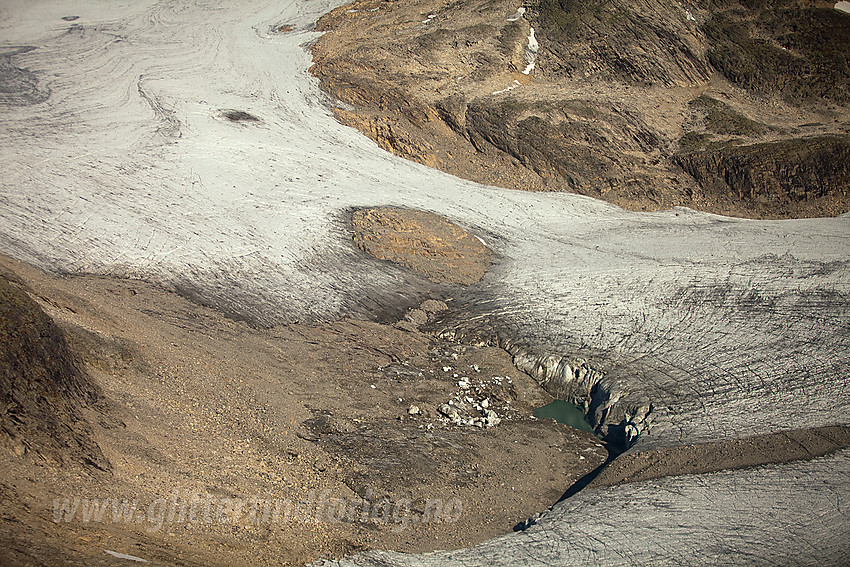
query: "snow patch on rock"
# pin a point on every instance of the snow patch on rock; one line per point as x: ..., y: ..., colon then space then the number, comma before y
x: 531, y: 52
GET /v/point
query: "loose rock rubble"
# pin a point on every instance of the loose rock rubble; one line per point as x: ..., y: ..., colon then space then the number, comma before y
x: 415, y: 318
x: 478, y: 399
x: 471, y: 403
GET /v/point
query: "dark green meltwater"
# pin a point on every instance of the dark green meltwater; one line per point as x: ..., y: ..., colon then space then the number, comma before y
x: 566, y: 413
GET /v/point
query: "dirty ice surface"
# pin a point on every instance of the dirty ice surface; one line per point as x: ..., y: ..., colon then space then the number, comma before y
x: 118, y: 157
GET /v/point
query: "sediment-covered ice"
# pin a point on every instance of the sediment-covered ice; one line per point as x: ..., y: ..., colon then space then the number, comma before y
x: 754, y: 517
x: 118, y: 158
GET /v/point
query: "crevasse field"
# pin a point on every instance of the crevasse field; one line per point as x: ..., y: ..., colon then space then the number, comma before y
x: 117, y: 159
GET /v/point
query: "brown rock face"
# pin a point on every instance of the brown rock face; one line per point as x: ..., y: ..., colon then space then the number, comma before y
x: 777, y: 177
x: 629, y: 103
x: 422, y: 241
x: 41, y: 388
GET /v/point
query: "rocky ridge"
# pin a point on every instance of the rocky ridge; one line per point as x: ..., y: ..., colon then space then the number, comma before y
x: 43, y: 390
x: 724, y: 106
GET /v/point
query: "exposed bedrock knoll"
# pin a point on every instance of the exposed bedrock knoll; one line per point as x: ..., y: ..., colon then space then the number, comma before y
x: 426, y: 242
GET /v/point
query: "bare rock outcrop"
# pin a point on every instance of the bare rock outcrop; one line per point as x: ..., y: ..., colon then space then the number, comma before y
x: 426, y: 242
x: 776, y: 177
x: 42, y: 390
x: 620, y: 101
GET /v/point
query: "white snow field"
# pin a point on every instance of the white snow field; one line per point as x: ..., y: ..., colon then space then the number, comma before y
x: 117, y: 158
